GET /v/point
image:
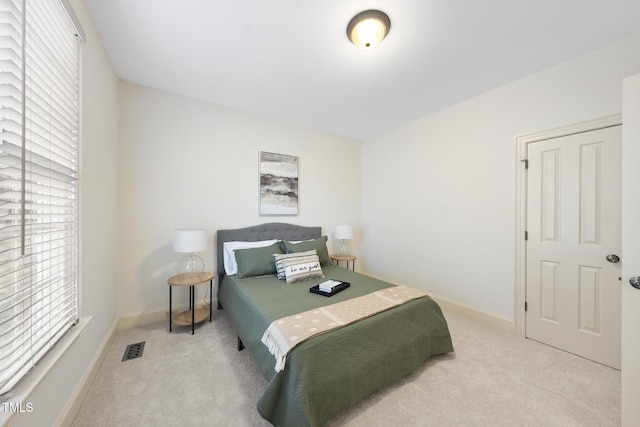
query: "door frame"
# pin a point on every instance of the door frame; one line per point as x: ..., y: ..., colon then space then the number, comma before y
x: 521, y: 202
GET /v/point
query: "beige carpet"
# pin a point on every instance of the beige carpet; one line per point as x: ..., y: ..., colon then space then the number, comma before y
x: 492, y: 379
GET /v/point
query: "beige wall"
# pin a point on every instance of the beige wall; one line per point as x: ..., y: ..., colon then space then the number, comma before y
x: 438, y: 194
x: 98, y: 229
x: 188, y: 163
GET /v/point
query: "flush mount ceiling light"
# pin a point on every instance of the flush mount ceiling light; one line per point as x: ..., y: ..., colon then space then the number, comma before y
x: 367, y: 29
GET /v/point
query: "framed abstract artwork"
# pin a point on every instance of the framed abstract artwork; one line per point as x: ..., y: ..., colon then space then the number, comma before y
x: 278, y: 184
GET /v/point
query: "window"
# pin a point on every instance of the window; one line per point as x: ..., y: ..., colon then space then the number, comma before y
x: 39, y: 73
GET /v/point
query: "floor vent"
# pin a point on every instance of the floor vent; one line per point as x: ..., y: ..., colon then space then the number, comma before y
x: 133, y: 351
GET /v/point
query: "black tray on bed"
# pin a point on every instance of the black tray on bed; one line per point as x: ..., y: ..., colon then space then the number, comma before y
x: 341, y: 287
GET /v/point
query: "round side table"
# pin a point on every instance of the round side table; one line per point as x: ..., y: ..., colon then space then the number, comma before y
x: 346, y: 258
x: 193, y: 315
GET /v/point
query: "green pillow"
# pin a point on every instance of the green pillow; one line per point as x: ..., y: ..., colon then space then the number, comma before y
x: 257, y: 261
x: 320, y: 246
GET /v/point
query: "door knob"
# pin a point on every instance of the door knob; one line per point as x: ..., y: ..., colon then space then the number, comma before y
x: 635, y: 282
x: 612, y: 258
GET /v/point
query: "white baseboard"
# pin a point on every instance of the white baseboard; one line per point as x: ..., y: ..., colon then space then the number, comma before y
x: 138, y: 319
x: 499, y: 322
x: 162, y: 314
x: 479, y: 315
x: 71, y: 409
x: 508, y: 325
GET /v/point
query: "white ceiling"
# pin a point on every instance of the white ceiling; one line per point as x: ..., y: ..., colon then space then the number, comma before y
x: 291, y: 59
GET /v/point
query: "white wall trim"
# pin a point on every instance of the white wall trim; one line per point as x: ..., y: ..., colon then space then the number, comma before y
x: 28, y: 386
x: 159, y: 315
x: 71, y: 409
x: 138, y: 319
x: 521, y: 201
x: 494, y: 320
x: 466, y: 310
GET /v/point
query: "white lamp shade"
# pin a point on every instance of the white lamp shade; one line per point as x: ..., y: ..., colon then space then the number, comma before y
x: 343, y: 232
x: 189, y: 240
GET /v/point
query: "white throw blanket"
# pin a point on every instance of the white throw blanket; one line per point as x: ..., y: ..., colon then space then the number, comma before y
x: 285, y: 333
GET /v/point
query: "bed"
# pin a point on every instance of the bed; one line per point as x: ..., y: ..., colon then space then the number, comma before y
x: 331, y: 371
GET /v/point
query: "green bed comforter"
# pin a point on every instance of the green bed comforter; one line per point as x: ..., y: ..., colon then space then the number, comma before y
x: 336, y: 370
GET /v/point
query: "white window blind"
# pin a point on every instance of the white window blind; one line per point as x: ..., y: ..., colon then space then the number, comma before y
x: 38, y: 182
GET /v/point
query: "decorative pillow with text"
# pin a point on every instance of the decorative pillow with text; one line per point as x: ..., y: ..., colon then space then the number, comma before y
x: 301, y: 268
x: 280, y: 258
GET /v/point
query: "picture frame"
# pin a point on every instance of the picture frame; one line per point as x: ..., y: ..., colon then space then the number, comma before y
x: 278, y: 184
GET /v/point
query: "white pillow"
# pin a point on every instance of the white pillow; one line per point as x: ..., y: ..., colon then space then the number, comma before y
x: 229, y: 256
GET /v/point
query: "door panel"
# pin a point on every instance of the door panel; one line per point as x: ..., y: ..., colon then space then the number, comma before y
x: 631, y: 251
x: 573, y: 222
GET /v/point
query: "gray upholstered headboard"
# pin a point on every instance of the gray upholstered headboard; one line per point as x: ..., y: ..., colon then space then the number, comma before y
x: 269, y: 231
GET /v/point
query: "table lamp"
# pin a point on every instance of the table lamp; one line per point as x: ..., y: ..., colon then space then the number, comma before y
x: 343, y: 233
x: 189, y: 241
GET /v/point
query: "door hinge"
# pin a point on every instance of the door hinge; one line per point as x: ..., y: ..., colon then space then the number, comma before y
x: 526, y: 235
x: 526, y: 163
x: 525, y: 306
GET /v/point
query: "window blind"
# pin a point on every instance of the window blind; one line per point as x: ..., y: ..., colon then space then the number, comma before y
x: 39, y: 83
